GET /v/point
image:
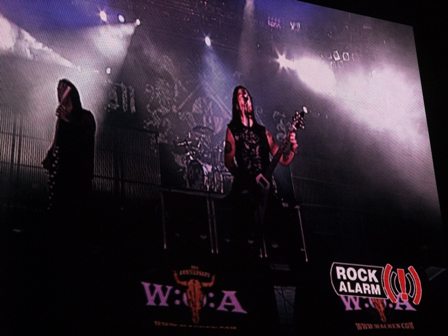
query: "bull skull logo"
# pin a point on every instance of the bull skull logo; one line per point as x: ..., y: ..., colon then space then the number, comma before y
x: 194, y: 294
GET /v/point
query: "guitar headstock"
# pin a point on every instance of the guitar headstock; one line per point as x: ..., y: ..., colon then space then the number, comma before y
x: 298, y: 119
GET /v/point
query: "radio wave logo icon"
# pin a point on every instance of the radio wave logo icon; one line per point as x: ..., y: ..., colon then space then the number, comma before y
x: 402, y: 283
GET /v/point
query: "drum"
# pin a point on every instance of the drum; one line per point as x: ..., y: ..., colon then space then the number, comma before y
x: 218, y: 157
x: 197, y: 175
x: 217, y: 182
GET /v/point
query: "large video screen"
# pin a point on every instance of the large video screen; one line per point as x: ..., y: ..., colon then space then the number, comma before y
x: 158, y: 77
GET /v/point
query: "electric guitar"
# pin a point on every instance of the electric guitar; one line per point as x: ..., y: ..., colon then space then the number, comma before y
x: 263, y: 179
x: 51, y: 160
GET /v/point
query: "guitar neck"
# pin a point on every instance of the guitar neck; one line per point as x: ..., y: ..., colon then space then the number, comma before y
x: 297, y: 120
x: 275, y: 159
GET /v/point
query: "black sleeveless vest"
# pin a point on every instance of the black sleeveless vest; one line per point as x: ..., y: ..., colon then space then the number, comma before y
x: 251, y: 153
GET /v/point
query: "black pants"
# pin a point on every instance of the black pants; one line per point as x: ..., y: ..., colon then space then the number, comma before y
x: 251, y: 222
x: 277, y: 234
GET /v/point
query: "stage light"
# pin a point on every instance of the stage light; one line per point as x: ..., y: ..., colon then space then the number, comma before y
x: 284, y: 63
x: 316, y: 74
x: 208, y: 41
x: 112, y: 40
x: 121, y: 18
x: 247, y: 49
x: 103, y: 16
x: 20, y: 43
x: 108, y: 70
x: 138, y: 22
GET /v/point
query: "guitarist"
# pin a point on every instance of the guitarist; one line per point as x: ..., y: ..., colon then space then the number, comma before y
x: 248, y: 148
x: 68, y: 230
x: 70, y: 158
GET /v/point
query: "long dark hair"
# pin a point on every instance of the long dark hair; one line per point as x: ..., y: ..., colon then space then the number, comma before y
x: 236, y: 117
x: 74, y: 95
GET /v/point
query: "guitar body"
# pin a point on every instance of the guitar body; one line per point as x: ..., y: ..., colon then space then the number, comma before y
x: 51, y: 164
x: 263, y: 179
x: 52, y: 159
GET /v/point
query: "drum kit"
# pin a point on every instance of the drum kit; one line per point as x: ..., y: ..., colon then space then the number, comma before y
x: 204, y: 162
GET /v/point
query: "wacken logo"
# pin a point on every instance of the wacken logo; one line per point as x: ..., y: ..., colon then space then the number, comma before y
x: 356, y: 303
x: 194, y: 293
x: 192, y: 282
x: 380, y: 306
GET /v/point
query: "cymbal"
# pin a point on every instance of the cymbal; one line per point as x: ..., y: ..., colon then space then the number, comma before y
x: 203, y: 130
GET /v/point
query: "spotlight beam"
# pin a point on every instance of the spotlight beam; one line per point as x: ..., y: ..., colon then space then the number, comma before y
x: 17, y: 41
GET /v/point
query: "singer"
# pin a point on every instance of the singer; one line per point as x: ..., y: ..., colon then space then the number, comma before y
x: 248, y: 147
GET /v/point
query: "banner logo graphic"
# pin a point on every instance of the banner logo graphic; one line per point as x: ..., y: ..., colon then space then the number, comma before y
x: 401, y: 283
x: 194, y: 289
x: 376, y: 282
x: 194, y: 294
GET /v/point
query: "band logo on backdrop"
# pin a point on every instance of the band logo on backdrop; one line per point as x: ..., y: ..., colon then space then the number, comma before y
x: 367, y: 287
x: 192, y: 289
